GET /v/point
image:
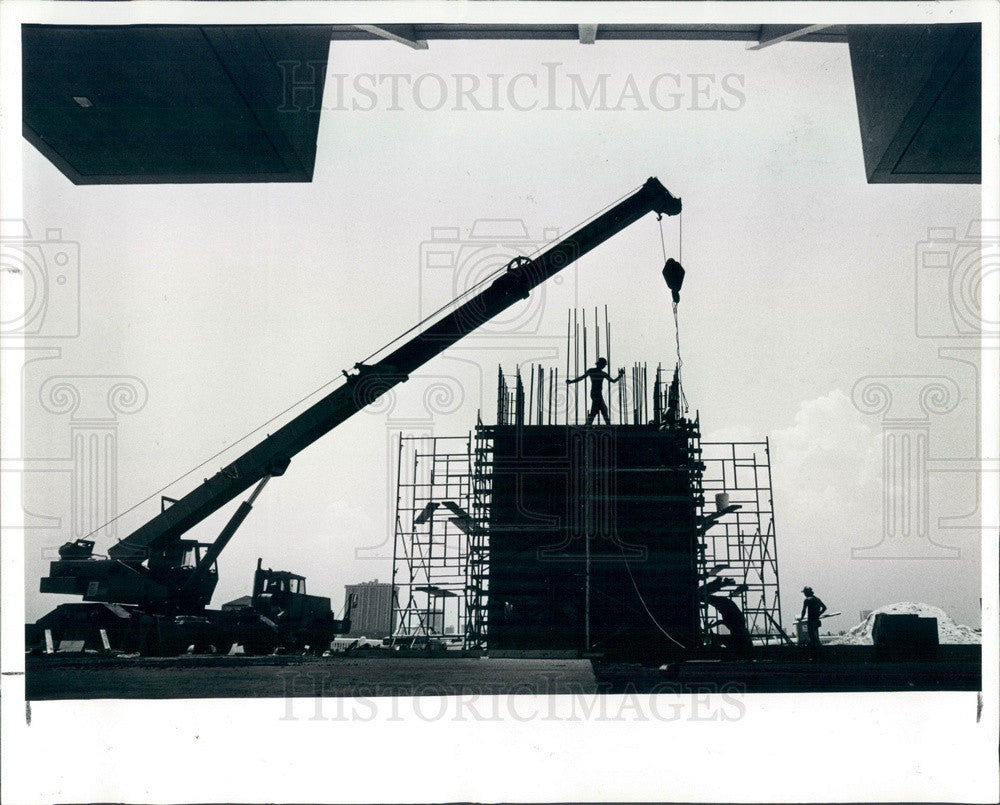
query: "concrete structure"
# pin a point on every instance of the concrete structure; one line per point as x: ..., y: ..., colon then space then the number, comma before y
x: 592, y: 529
x: 372, y: 611
x: 918, y: 91
x: 150, y: 104
x: 542, y: 534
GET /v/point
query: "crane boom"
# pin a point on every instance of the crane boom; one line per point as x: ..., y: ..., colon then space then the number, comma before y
x: 272, y: 455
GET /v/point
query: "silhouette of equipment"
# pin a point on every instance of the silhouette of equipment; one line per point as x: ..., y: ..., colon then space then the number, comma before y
x: 156, y: 571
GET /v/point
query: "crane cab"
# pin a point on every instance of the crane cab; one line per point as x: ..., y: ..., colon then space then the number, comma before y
x: 168, y: 580
x: 281, y: 596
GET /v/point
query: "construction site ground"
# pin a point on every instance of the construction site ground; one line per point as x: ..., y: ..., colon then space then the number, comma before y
x: 785, y: 669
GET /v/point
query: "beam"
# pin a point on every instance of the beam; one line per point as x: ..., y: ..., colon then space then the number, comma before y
x: 404, y: 34
x: 588, y: 34
x: 770, y: 36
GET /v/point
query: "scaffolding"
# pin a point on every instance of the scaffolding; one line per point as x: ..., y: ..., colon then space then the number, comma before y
x: 431, y: 550
x: 478, y: 586
x: 442, y: 546
x: 445, y: 487
x: 740, y: 552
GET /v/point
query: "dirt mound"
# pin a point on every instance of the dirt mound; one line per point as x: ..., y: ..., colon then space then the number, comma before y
x: 949, y: 632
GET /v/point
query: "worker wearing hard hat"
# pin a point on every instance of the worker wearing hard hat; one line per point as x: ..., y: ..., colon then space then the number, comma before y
x: 812, y: 611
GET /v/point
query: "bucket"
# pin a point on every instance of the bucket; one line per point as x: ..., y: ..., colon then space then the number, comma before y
x: 721, y: 501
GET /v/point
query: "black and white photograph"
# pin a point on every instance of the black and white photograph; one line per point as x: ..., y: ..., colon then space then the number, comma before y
x: 500, y: 401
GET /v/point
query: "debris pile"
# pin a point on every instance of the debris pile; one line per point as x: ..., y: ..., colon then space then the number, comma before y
x: 949, y: 632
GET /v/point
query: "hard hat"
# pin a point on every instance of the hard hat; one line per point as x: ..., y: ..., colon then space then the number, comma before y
x: 807, y: 590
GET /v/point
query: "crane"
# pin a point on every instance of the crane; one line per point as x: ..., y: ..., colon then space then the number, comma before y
x: 158, y: 570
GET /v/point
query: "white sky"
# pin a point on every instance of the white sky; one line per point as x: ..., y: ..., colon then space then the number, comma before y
x: 231, y: 302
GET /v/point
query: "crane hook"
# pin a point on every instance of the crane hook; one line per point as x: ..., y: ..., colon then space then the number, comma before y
x: 673, y: 273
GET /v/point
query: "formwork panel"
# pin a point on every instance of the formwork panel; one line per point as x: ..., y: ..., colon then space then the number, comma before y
x: 605, y: 514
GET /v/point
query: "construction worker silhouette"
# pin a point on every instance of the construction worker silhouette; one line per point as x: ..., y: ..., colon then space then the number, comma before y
x: 812, y: 611
x: 597, y: 377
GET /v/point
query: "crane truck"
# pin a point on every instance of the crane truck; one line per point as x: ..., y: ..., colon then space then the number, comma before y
x: 154, y: 586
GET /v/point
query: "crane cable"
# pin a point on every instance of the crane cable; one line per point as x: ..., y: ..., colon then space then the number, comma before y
x: 628, y: 567
x: 680, y: 362
x: 328, y: 383
x: 682, y: 399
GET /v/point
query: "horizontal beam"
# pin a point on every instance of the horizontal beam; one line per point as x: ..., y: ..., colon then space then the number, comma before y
x: 404, y: 34
x: 768, y: 36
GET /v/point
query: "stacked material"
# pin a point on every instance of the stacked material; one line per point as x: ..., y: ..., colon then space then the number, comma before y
x: 949, y: 632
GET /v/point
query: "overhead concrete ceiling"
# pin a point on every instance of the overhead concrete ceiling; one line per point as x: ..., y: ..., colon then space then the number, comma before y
x: 148, y: 104
x: 145, y: 104
x: 918, y: 91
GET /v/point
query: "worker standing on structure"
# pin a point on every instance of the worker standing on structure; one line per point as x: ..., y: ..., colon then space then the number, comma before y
x: 812, y: 611
x: 597, y: 377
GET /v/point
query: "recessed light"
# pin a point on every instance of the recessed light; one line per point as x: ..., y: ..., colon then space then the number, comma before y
x: 83, y: 101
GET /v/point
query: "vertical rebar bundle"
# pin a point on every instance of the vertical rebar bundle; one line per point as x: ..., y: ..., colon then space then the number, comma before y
x: 632, y: 401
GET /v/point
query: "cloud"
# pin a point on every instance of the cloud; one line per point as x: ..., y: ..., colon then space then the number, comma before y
x: 830, y: 453
x: 828, y: 487
x: 827, y: 484
x: 827, y: 476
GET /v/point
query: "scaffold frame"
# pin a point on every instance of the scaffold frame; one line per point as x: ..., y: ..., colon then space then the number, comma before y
x: 431, y: 542
x: 445, y: 489
x: 741, y: 545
